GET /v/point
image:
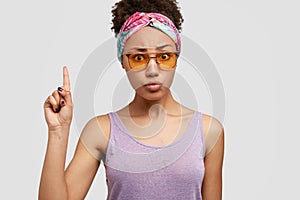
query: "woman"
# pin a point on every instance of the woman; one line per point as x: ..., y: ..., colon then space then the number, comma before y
x: 153, y: 148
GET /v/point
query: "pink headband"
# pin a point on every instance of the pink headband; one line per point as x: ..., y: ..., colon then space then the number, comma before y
x: 139, y: 20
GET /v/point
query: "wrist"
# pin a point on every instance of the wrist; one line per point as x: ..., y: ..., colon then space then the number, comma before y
x: 59, y: 131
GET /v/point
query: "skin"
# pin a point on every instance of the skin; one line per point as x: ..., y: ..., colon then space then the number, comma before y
x: 146, y: 108
x: 149, y: 107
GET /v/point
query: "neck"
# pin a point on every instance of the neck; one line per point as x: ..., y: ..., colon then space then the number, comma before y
x: 154, y: 108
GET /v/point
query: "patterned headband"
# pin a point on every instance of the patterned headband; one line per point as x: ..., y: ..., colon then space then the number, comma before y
x: 139, y: 20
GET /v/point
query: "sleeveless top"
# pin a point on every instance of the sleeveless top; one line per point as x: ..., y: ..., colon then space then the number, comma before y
x: 137, y: 171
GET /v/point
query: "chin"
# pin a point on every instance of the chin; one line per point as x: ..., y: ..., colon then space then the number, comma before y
x: 152, y: 96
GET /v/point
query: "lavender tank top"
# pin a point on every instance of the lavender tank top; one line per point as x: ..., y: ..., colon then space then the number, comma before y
x: 137, y: 171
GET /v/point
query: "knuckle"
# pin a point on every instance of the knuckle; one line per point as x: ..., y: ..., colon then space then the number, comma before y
x: 49, y: 98
x: 53, y: 100
x: 54, y: 93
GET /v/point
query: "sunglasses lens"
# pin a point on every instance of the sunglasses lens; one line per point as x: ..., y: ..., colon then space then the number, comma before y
x: 138, y: 61
x: 167, y: 60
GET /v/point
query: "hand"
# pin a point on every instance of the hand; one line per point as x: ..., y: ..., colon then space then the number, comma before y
x: 58, y: 107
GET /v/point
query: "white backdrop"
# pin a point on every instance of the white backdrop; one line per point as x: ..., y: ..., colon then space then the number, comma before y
x: 253, y: 44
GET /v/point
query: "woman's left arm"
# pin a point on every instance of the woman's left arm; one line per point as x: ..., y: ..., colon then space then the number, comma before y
x: 212, y: 183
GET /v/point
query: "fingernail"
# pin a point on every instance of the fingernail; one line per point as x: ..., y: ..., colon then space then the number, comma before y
x: 62, y: 103
x: 60, y: 89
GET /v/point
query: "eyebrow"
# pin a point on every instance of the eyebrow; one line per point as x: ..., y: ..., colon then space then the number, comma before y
x: 157, y: 48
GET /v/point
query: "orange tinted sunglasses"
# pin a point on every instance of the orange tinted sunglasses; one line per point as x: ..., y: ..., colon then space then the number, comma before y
x: 139, y: 61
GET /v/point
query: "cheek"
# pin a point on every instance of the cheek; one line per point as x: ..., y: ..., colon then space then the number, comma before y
x: 167, y: 77
x: 136, y: 79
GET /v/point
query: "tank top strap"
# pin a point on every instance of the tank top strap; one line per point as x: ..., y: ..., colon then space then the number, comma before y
x: 201, y: 133
x: 201, y: 139
x: 120, y: 137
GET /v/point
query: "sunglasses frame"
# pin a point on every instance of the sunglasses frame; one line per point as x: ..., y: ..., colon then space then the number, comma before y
x: 156, y: 55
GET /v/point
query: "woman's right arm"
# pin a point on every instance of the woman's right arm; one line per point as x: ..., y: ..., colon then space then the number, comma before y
x: 53, y: 183
x: 56, y: 182
x: 72, y: 183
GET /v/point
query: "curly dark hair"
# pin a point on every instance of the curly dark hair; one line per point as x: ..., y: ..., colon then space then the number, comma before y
x: 125, y: 8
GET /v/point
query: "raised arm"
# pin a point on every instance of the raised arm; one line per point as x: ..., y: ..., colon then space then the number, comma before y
x: 56, y: 182
x: 90, y: 150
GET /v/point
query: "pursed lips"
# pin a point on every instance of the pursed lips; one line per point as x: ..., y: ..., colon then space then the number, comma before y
x: 153, y: 86
x: 153, y: 83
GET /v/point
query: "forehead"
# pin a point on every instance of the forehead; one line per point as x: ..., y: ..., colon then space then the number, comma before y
x: 149, y: 37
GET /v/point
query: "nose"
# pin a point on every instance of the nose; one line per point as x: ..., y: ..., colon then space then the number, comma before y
x: 152, y: 68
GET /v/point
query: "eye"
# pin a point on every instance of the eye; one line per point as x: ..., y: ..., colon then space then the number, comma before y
x: 164, y: 56
x: 138, y: 57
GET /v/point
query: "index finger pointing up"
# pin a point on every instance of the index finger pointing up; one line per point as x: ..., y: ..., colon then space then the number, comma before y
x: 66, y: 79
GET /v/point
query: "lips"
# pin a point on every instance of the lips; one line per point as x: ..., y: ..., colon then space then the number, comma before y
x: 153, y: 83
x: 153, y: 86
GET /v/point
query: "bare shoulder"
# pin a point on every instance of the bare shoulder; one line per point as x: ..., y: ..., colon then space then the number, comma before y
x: 104, y: 124
x: 211, y: 125
x: 104, y: 128
x: 99, y: 124
x: 95, y: 135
